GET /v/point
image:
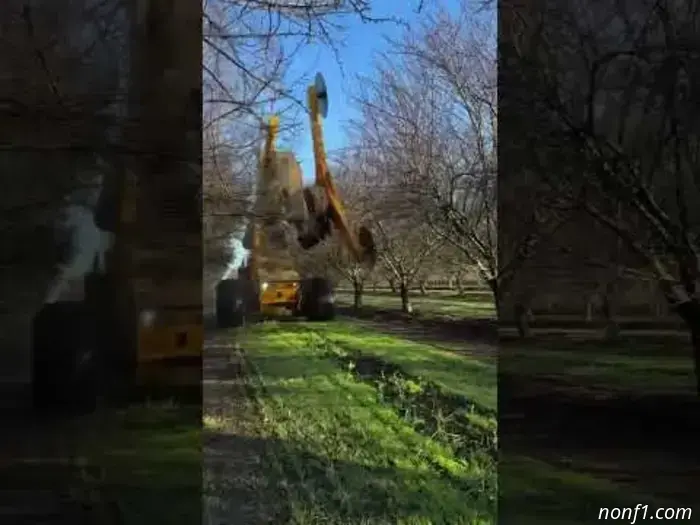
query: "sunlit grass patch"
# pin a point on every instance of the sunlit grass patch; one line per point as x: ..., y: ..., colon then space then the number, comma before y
x: 348, y: 456
x: 475, y: 379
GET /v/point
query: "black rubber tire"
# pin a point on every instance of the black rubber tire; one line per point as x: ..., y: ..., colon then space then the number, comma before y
x: 64, y: 375
x: 297, y: 310
x: 304, y: 305
x: 116, y: 327
x: 229, y: 307
x: 317, y: 299
x: 236, y: 301
x: 251, y: 294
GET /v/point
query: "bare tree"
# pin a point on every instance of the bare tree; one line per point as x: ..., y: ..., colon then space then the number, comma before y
x: 456, y: 268
x: 58, y: 92
x: 405, y: 247
x: 432, y: 112
x: 611, y: 90
x: 405, y: 244
x: 62, y: 78
x: 358, y: 207
x: 250, y: 45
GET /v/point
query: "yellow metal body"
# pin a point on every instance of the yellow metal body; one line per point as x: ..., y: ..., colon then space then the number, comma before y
x: 150, y: 228
x: 272, y: 262
x: 279, y: 296
x: 176, y: 331
x: 179, y: 336
x: 168, y: 345
x: 363, y: 252
x: 169, y: 354
x: 280, y: 197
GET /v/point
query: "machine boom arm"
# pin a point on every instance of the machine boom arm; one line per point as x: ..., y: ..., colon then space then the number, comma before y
x: 315, y: 211
x: 361, y: 246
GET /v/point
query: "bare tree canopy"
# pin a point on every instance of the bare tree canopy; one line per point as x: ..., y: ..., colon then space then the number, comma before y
x: 429, y: 127
x: 61, y: 87
x: 614, y: 130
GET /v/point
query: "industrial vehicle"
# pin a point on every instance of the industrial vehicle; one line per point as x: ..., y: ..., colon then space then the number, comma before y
x: 286, y: 216
x: 138, y: 321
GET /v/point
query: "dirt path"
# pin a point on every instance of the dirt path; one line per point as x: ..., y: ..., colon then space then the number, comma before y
x: 237, y: 489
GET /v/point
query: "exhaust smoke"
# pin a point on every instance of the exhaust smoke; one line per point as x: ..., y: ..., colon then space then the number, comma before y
x: 239, y: 253
x: 87, y: 244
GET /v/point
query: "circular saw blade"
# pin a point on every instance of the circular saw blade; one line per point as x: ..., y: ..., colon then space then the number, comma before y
x: 321, y: 94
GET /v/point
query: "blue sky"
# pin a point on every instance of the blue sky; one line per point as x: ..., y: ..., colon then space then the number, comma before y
x: 361, y: 42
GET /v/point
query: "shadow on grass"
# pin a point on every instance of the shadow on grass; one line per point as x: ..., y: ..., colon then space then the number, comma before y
x: 312, y: 489
x: 596, y: 418
x: 151, y: 456
x: 130, y: 465
x: 33, y: 493
x: 462, y: 329
x: 280, y: 366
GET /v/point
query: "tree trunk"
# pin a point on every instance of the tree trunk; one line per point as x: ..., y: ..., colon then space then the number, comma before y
x: 493, y: 286
x: 588, y: 315
x: 406, y: 306
x: 392, y: 285
x: 612, y: 329
x: 421, y: 286
x: 689, y: 311
x: 460, y: 285
x: 522, y: 320
x: 358, y: 288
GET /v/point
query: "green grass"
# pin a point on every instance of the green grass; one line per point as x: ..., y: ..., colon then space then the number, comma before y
x: 634, y: 366
x: 474, y: 379
x: 150, y: 456
x: 575, y: 483
x: 433, y: 304
x: 142, y: 462
x: 544, y: 493
x: 347, y: 456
